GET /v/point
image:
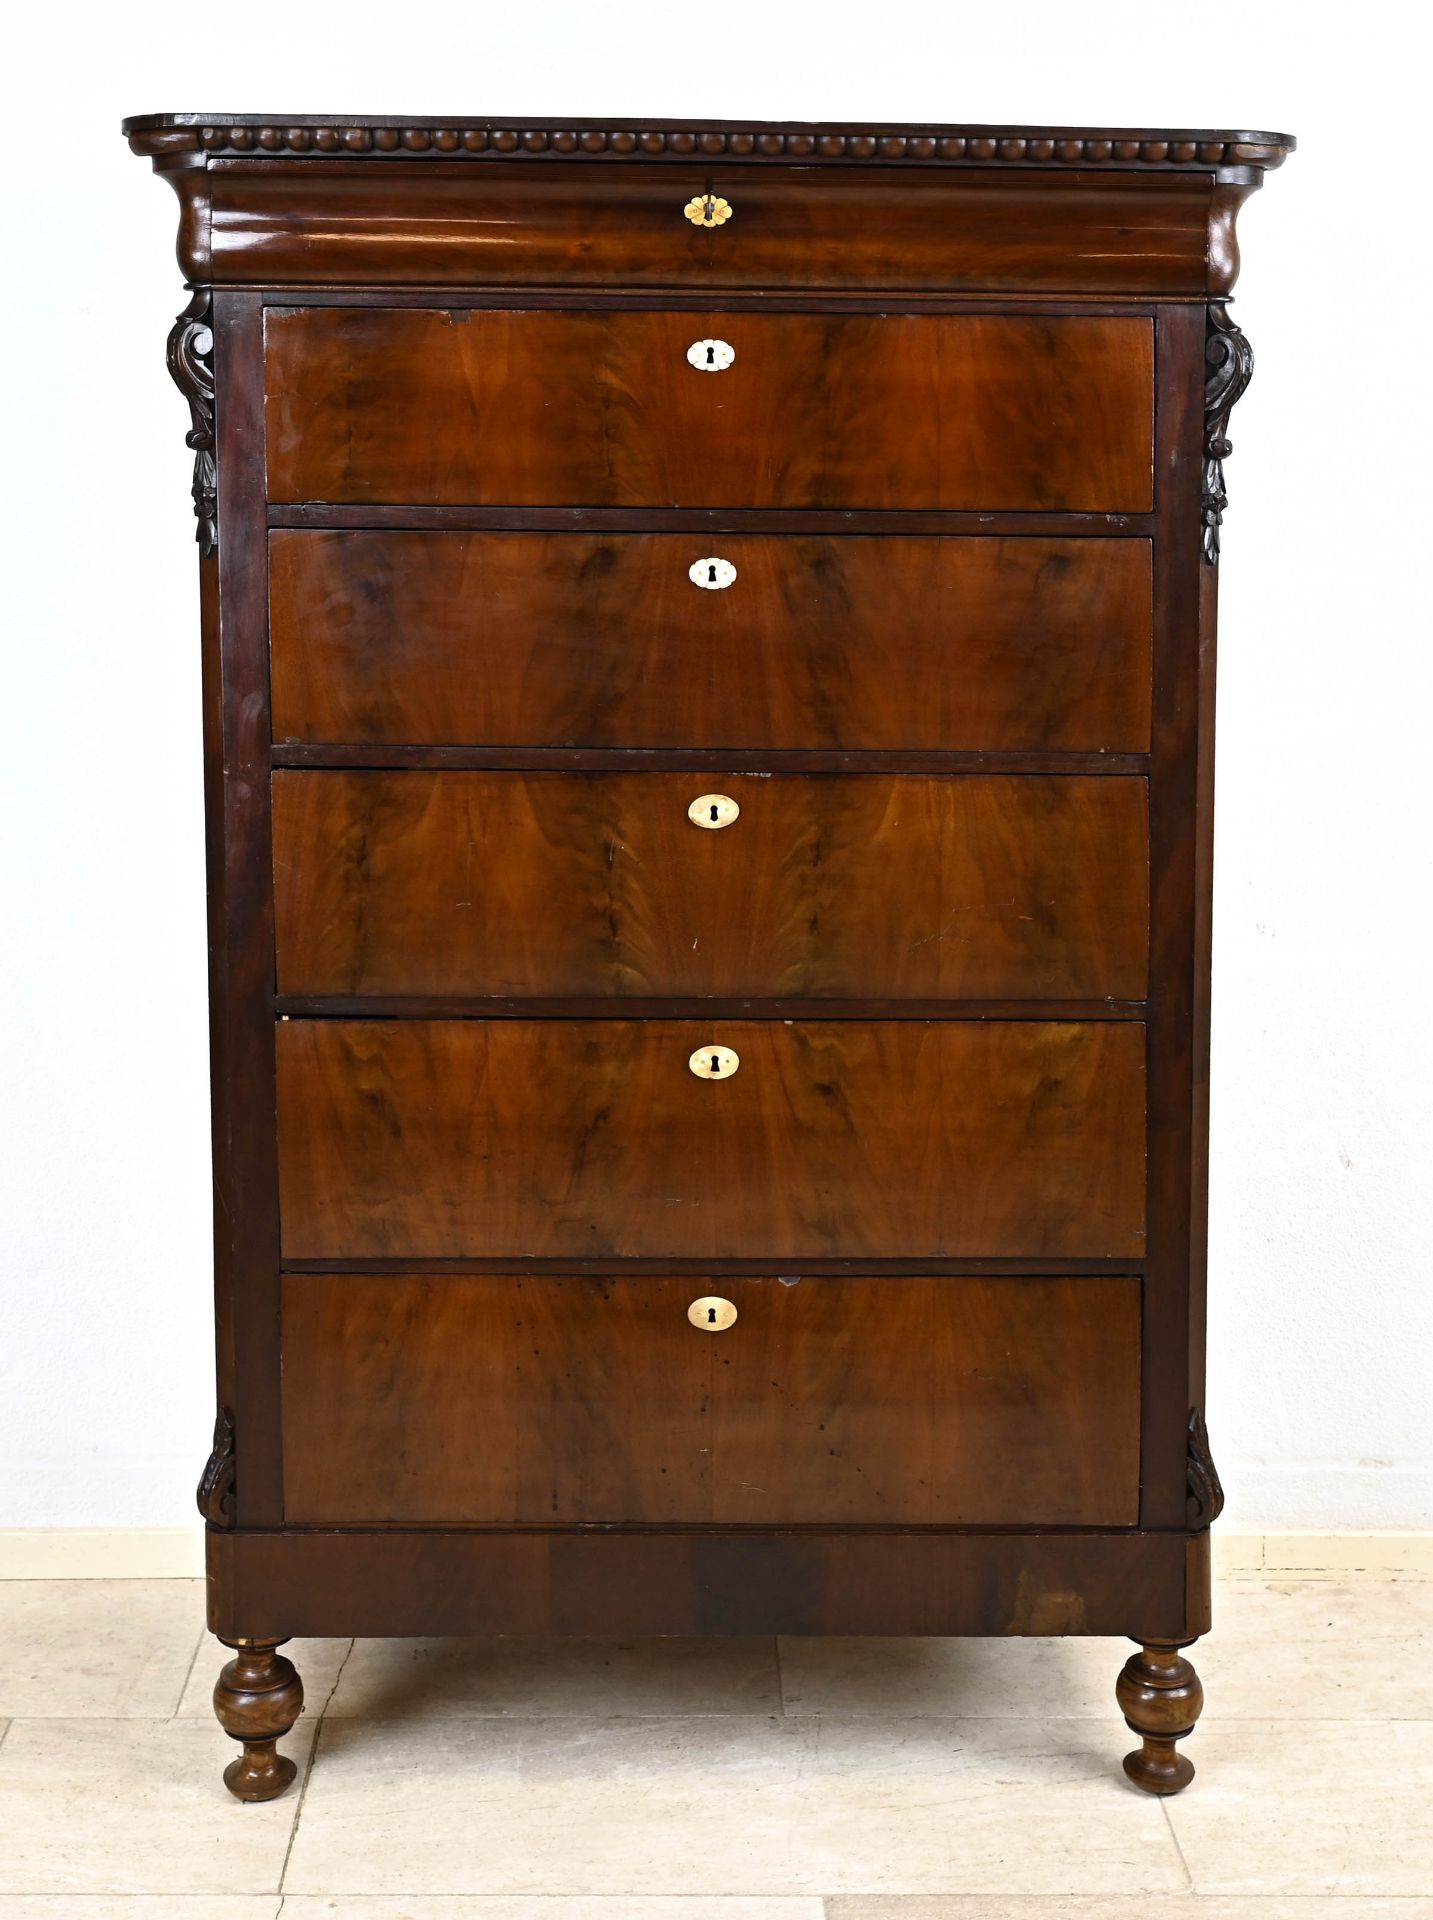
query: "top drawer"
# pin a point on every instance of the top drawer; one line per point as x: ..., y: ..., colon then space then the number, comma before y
x: 405, y: 223
x: 501, y: 408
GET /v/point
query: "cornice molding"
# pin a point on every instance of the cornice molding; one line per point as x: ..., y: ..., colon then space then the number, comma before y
x: 258, y: 137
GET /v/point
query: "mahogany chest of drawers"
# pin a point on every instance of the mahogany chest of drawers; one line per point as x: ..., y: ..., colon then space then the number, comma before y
x: 708, y: 657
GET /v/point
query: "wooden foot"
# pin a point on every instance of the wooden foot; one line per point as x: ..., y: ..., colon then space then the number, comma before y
x: 257, y: 1698
x: 1160, y: 1696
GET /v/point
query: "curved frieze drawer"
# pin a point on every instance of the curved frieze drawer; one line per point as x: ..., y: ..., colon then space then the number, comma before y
x: 889, y: 642
x: 403, y: 224
x: 473, y: 406
x: 419, y: 1139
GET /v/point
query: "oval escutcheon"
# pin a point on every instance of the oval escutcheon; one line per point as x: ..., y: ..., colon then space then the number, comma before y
x: 713, y: 811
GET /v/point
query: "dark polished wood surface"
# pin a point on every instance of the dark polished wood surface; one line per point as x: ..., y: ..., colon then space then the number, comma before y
x: 585, y: 408
x: 485, y: 223
x: 317, y: 136
x: 886, y: 643
x: 419, y: 1138
x: 977, y: 886
x: 673, y: 1580
x: 881, y: 1401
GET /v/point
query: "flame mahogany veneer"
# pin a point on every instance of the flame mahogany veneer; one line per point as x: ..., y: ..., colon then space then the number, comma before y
x: 525, y: 1324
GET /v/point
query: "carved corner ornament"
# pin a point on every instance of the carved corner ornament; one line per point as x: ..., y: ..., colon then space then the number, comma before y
x: 1205, y: 1500
x: 1229, y: 362
x: 215, y: 1494
x: 190, y: 357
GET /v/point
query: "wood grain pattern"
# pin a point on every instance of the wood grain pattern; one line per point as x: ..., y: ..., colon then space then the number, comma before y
x: 975, y: 886
x: 621, y: 1581
x: 592, y: 1138
x: 515, y: 408
x: 892, y: 1401
x: 475, y: 224
x: 563, y: 639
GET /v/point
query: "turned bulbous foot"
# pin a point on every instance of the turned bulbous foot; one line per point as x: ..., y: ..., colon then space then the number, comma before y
x: 257, y: 1699
x: 1160, y: 1696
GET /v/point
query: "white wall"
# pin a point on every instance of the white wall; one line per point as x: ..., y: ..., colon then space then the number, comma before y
x: 1322, y: 1215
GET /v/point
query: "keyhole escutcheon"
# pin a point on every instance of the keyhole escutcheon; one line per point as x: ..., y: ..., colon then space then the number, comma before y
x: 710, y: 356
x: 712, y: 1314
x: 708, y: 210
x: 714, y: 1063
x: 711, y: 573
x: 713, y: 811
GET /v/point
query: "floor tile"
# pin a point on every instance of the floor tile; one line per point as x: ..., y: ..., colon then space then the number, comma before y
x: 519, y: 1906
x: 1184, y: 1906
x: 723, y: 1805
x: 134, y: 1806
x: 1302, y: 1650
x: 141, y: 1906
x: 319, y: 1663
x: 1318, y: 1650
x: 1316, y: 1808
x: 97, y: 1648
x: 965, y: 1679
x: 462, y: 1679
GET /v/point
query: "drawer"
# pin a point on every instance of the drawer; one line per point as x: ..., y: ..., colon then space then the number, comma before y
x: 975, y: 885
x: 525, y: 408
x: 404, y: 224
x: 472, y: 1399
x: 572, y: 1138
x: 603, y: 640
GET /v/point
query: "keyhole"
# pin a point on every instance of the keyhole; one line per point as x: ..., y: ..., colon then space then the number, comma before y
x: 716, y: 1064
x: 715, y: 811
x: 711, y: 356
x: 710, y: 207
x: 711, y: 1316
x: 711, y: 574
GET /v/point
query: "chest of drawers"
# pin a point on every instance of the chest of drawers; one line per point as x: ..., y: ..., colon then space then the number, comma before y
x: 708, y: 657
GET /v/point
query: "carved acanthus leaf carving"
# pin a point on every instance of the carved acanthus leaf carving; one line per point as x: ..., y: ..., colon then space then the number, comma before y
x: 215, y: 1495
x: 191, y: 365
x: 1230, y: 364
x: 1205, y: 1500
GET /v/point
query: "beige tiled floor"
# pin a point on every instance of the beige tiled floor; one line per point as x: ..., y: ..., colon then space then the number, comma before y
x: 718, y: 1780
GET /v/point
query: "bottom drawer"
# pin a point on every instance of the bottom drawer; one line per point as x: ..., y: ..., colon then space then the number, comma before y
x: 509, y: 1399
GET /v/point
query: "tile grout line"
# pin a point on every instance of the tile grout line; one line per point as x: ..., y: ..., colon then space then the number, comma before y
x: 1183, y: 1863
x: 189, y: 1670
x: 308, y: 1774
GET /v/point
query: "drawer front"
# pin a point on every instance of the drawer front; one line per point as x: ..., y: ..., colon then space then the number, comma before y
x: 510, y: 1400
x: 602, y: 640
x: 572, y: 1138
x: 523, y: 408
x: 973, y: 886
x: 603, y: 226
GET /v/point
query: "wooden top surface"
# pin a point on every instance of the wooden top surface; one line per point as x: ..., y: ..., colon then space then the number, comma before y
x: 381, y: 135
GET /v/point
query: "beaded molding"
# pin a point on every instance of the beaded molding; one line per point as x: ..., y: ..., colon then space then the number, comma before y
x: 983, y: 149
